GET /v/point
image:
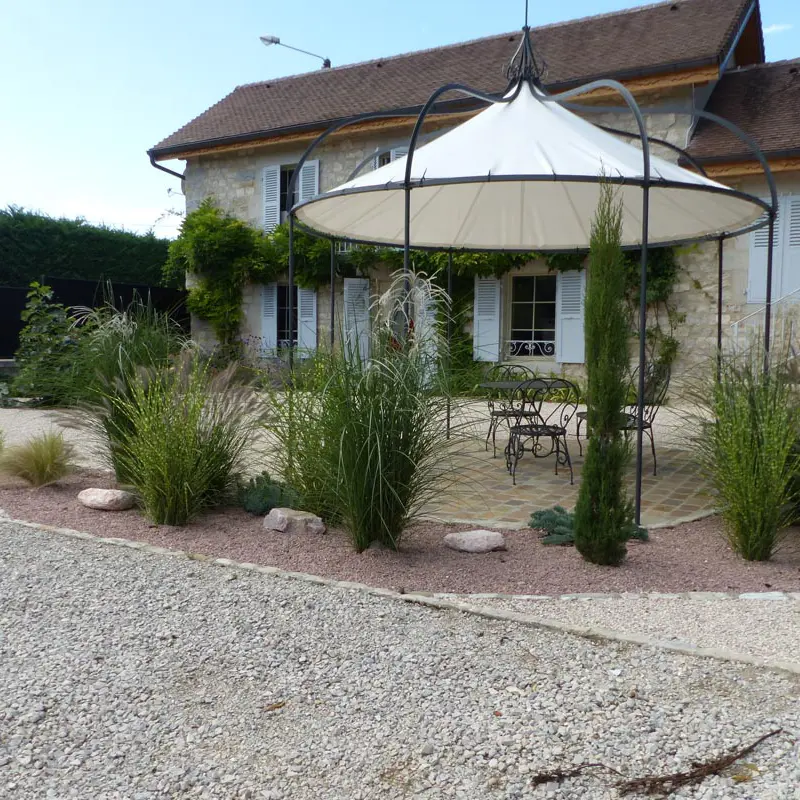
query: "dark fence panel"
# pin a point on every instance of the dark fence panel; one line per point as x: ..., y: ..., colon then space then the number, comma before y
x: 85, y: 293
x: 12, y: 303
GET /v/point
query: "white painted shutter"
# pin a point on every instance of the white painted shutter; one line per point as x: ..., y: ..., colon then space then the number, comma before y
x: 269, y: 318
x: 790, y: 268
x: 397, y: 152
x: 271, y: 193
x: 356, y: 317
x: 570, y: 291
x: 308, y: 181
x: 757, y: 273
x: 486, y: 320
x: 306, y: 321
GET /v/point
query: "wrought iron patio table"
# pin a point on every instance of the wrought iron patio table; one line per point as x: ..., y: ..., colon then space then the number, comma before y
x: 540, y: 420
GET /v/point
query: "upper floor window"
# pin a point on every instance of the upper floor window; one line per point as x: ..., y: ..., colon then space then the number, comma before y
x: 275, y: 180
x: 387, y: 156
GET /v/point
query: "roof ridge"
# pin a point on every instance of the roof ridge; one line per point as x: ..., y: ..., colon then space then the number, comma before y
x: 438, y: 48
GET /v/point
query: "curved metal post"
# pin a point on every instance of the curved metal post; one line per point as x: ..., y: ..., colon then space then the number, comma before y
x: 370, y: 115
x: 630, y: 100
x: 658, y: 141
x: 693, y: 112
x: 720, y: 246
x: 291, y: 290
x: 449, y: 332
x: 333, y: 288
x: 412, y: 146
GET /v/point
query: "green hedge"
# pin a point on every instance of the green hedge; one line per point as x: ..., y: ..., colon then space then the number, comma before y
x: 33, y: 245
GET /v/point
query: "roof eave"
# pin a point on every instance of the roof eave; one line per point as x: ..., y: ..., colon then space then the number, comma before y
x: 730, y: 158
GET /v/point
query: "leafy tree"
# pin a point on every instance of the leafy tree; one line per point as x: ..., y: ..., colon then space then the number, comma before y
x: 603, y: 513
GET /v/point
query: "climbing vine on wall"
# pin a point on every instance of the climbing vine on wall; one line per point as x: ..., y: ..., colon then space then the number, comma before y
x: 662, y: 313
x: 223, y: 254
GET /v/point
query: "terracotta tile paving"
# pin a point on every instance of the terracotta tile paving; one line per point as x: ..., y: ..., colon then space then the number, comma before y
x: 485, y: 495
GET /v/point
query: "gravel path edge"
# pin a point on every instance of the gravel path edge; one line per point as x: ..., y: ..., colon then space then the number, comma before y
x: 441, y: 603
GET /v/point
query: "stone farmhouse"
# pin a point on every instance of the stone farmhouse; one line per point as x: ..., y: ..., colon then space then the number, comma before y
x: 693, y: 53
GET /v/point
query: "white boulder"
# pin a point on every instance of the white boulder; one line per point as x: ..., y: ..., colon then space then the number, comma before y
x: 107, y: 499
x: 478, y: 541
x: 287, y: 520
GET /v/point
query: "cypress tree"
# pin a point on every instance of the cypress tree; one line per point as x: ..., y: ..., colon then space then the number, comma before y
x: 603, y: 512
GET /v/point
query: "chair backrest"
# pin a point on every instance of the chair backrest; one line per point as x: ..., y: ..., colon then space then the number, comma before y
x: 509, y: 372
x: 656, y: 384
x: 507, y: 399
x: 551, y: 401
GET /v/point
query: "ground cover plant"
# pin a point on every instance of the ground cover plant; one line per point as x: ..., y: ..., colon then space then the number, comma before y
x: 261, y: 493
x: 558, y: 525
x: 603, y: 512
x: 39, y: 461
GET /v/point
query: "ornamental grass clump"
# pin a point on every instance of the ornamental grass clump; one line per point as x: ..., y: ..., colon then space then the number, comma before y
x: 747, y: 446
x: 42, y: 460
x: 367, y: 445
x: 186, y: 436
x: 603, y: 512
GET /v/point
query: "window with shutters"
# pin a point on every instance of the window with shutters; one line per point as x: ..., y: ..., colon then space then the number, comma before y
x: 284, y: 318
x: 533, y: 316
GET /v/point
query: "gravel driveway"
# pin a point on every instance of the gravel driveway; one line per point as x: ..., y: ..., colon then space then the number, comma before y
x: 130, y: 675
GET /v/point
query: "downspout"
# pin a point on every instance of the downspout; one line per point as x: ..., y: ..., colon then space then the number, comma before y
x: 155, y: 164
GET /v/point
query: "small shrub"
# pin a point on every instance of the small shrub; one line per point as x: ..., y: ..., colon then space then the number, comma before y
x: 185, y: 437
x: 41, y: 460
x: 748, y: 449
x: 261, y: 494
x: 558, y: 525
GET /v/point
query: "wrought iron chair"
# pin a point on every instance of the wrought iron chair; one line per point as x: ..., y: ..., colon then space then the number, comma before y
x: 656, y: 384
x: 506, y: 405
x: 547, y: 408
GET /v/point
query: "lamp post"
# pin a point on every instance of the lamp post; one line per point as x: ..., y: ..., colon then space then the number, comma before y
x: 270, y: 40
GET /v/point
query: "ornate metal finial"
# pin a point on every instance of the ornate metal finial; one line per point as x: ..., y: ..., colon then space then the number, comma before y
x: 524, y: 64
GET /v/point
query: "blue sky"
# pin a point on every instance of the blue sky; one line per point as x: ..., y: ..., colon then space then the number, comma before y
x: 89, y: 85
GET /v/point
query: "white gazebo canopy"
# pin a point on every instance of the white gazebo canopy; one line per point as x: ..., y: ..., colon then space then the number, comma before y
x: 520, y: 176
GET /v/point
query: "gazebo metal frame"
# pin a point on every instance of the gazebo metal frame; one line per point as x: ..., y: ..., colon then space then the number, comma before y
x: 525, y: 69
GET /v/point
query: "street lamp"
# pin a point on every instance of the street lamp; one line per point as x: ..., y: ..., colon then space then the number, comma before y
x: 268, y: 40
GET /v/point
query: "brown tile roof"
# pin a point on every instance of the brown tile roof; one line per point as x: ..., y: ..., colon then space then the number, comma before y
x: 764, y: 101
x: 643, y: 40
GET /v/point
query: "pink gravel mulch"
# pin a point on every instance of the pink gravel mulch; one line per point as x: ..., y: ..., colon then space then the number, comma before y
x: 689, y: 557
